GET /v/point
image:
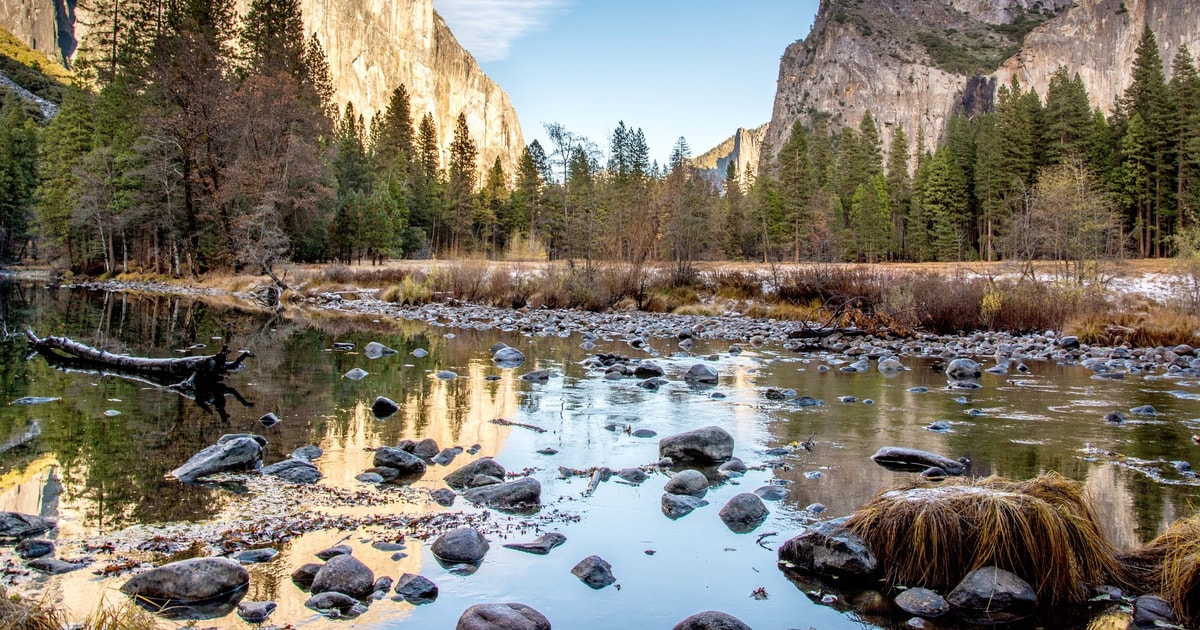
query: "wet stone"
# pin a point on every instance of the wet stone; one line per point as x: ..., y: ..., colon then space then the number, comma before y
x: 594, y: 571
x: 444, y: 457
x: 995, y: 594
x: 547, y: 451
x: 255, y: 612
x: 536, y: 376
x: 1150, y: 611
x: 509, y: 616
x: 462, y: 477
x: 540, y: 545
x: 711, y: 620
x: 331, y: 600
x: 706, y: 445
x: 689, y: 482
x: 633, y: 475
x: 256, y: 556
x: 1144, y: 410
x: 676, y: 506
x: 269, y: 420
x: 771, y: 493
x: 744, y: 512
x: 308, y: 453
x: 384, y: 407
x: 31, y: 548
x: 416, y: 589
x: 922, y: 602
x: 335, y: 551
x: 464, y: 544
x: 420, y: 353
x: 446, y: 375
x: 298, y: 471
x: 53, y: 566
x: 375, y: 350
x: 304, y: 574
x: 344, y: 574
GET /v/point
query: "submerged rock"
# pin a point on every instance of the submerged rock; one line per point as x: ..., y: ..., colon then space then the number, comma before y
x: 540, y: 545
x: 706, y: 445
x: 594, y: 571
x: 691, y: 482
x: 332, y: 600
x: 255, y: 612
x: 199, y: 580
x: 357, y: 374
x: 829, y: 550
x: 711, y: 620
x: 511, y: 616
x: 676, y: 506
x: 375, y: 350
x: 344, y: 574
x: 401, y: 460
x: 701, y: 374
x: 744, y: 512
x: 916, y: 460
x: 508, y: 357
x: 237, y: 453
x: 294, y: 471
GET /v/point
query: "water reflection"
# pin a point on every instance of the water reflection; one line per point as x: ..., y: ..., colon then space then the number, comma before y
x: 101, y: 473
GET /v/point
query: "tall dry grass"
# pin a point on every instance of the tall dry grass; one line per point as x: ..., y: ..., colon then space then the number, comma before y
x: 19, y: 613
x: 1170, y: 566
x: 1043, y: 530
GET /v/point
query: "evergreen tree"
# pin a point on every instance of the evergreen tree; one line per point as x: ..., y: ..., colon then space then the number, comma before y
x: 1068, y: 117
x: 526, y: 196
x: 427, y: 182
x: 395, y: 144
x: 272, y: 39
x: 64, y: 142
x: 899, y: 188
x: 463, y: 174
x: 944, y: 201
x: 796, y: 184
x: 1137, y: 183
x: 1185, y: 92
x: 491, y: 214
x: 870, y: 219
x: 351, y: 168
x: 18, y: 178
x: 1148, y: 97
x: 735, y: 244
x: 317, y: 75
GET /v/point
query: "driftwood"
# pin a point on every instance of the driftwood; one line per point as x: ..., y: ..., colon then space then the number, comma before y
x: 209, y: 368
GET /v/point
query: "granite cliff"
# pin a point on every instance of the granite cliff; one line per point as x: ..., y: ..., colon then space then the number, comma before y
x: 912, y: 63
x: 742, y: 149
x: 372, y: 46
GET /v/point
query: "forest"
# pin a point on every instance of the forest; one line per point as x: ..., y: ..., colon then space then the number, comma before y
x: 197, y: 144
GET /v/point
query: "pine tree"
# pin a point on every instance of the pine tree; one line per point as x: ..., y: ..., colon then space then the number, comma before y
x: 736, y: 247
x: 1137, y: 184
x: 1185, y: 92
x: 1148, y: 97
x: 351, y: 169
x: 491, y: 215
x: 18, y: 178
x: 64, y: 142
x: 272, y: 39
x: 1068, y: 117
x: 899, y: 188
x: 944, y: 201
x: 317, y: 74
x: 796, y: 184
x: 461, y: 181
x: 870, y: 219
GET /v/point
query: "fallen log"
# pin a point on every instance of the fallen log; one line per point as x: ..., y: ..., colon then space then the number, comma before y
x: 208, y: 368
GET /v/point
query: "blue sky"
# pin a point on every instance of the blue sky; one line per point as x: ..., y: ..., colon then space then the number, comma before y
x: 693, y: 68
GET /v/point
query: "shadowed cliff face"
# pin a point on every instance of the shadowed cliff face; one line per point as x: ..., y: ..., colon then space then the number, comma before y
x: 910, y: 62
x: 372, y: 46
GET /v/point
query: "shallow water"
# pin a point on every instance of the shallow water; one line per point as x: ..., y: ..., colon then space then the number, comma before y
x: 103, y: 474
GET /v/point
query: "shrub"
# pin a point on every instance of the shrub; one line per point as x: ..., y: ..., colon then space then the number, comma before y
x: 1170, y: 566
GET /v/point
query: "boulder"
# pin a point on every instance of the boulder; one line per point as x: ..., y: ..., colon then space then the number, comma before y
x: 344, y: 574
x: 676, y: 506
x: 648, y: 369
x: 294, y: 471
x: 633, y: 475
x: 890, y: 365
x: 922, y: 602
x: 701, y: 374
x: 692, y: 482
x: 744, y: 512
x: 255, y: 612
x: 1151, y: 611
x: 705, y: 445
x: 511, y: 616
x: 540, y: 545
x: 18, y: 525
x: 462, y: 545
x: 406, y: 463
x: 828, y: 550
x: 711, y: 620
x: 514, y: 495
x: 416, y: 589
x: 508, y: 357
x: 239, y: 453
x: 462, y: 477
x: 426, y: 449
x: 54, y: 566
x: 334, y: 551
x: 384, y: 407
x: 536, y: 376
x: 190, y: 581
x: 993, y: 594
x: 375, y: 350
x: 963, y: 370
x: 308, y: 453
x: 443, y: 497
x: 303, y: 576
x: 916, y: 460
x: 594, y: 571
x: 31, y: 548
x: 331, y: 600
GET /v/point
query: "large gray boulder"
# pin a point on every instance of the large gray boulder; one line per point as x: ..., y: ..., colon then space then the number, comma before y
x: 993, y: 594
x: 399, y: 459
x: 344, y: 574
x: 511, y: 616
x: 462, y: 545
x: 237, y: 453
x: 199, y: 580
x: 521, y: 494
x: 18, y: 525
x: 916, y: 460
x: 701, y: 374
x: 508, y: 357
x: 829, y: 550
x: 711, y: 620
x: 294, y: 471
x: 488, y: 467
x: 744, y: 512
x: 706, y: 445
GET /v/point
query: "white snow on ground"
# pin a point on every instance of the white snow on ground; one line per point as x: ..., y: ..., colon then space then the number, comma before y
x: 1160, y: 287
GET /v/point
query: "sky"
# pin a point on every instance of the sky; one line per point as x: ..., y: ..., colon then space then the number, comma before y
x: 699, y: 69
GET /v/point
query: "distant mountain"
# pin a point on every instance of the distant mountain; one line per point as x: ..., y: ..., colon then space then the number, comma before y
x: 743, y: 149
x: 912, y: 63
x: 372, y: 47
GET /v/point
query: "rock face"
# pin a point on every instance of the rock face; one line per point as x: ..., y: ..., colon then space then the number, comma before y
x: 876, y: 57
x: 743, y: 150
x: 372, y: 47
x: 188, y: 581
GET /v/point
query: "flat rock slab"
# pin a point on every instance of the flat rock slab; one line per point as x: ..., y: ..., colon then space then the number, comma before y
x: 915, y: 460
x: 540, y: 545
x: 18, y: 525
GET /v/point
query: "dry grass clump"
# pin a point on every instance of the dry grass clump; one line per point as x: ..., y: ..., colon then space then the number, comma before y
x: 17, y: 613
x: 1042, y: 530
x: 1146, y: 328
x: 1170, y: 566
